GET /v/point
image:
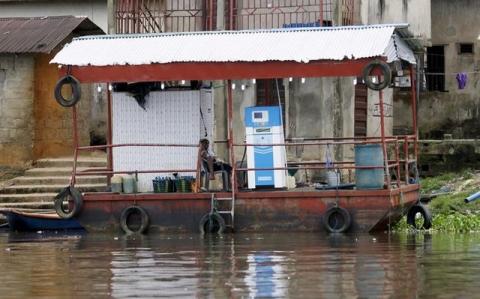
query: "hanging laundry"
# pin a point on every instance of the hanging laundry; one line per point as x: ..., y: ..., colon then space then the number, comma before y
x: 461, y: 80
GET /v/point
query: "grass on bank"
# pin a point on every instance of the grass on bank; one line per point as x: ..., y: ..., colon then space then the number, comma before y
x: 450, y: 212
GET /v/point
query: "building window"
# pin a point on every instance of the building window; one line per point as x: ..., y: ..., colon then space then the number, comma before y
x: 435, y: 73
x: 153, y: 16
x: 465, y: 48
x: 268, y: 14
x: 268, y: 92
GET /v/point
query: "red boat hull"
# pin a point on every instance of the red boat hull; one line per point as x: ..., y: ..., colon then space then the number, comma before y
x: 268, y: 211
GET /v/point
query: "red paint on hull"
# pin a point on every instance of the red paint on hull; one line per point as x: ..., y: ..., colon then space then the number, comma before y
x: 371, y: 210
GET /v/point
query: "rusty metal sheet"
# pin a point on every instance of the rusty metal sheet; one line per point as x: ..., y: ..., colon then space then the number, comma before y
x: 266, y: 211
x: 41, y: 34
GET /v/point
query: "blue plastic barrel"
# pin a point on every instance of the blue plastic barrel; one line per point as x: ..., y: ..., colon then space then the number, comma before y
x: 369, y: 155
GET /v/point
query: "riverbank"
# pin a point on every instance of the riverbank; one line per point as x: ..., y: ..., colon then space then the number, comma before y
x: 447, y: 193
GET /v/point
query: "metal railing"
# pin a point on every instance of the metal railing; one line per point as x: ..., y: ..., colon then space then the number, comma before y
x: 401, y: 156
x: 154, y: 16
x: 109, y: 170
x: 402, y: 150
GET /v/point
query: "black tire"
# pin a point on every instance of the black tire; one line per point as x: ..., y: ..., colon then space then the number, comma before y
x: 386, y: 73
x: 74, y: 199
x: 130, y: 228
x: 424, y: 212
x: 76, y: 91
x: 212, y: 223
x: 337, y: 220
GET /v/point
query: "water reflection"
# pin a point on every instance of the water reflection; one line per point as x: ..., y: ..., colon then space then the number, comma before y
x: 266, y: 276
x: 240, y: 266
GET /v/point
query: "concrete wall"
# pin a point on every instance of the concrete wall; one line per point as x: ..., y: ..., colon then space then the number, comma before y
x: 414, y: 12
x: 95, y: 10
x: 373, y: 112
x: 53, y: 123
x: 16, y: 108
x: 319, y: 108
x: 417, y: 14
x: 456, y: 111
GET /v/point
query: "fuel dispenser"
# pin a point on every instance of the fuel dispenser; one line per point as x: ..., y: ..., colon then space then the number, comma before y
x: 264, y: 126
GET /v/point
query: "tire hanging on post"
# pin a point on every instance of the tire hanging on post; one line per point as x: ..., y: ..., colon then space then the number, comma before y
x: 337, y: 220
x: 76, y: 91
x: 127, y: 226
x: 75, y: 202
x: 425, y: 214
x: 385, y: 72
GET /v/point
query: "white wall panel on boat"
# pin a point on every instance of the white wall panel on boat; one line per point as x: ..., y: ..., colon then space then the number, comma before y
x: 300, y: 45
x: 170, y: 117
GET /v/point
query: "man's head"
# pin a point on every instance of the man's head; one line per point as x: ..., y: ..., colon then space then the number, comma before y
x: 204, y: 142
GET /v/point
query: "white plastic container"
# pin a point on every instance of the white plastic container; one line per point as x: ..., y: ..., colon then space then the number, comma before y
x: 116, y: 184
x: 333, y: 178
x: 129, y: 184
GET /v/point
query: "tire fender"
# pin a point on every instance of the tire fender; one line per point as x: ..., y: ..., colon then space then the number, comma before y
x: 70, y: 194
x: 385, y: 72
x: 424, y: 212
x: 212, y: 223
x: 337, y: 220
x: 76, y: 91
x: 126, y: 213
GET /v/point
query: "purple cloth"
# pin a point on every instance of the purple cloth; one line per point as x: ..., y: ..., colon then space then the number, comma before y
x: 462, y: 80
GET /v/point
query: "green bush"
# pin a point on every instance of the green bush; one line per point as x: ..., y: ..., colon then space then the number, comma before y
x: 455, y: 222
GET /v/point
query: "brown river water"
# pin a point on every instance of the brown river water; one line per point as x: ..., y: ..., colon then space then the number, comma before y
x: 302, y: 265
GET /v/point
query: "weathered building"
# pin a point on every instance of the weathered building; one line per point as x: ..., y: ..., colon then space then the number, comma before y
x: 95, y: 10
x: 337, y: 107
x: 32, y: 124
x: 445, y: 107
x: 417, y: 14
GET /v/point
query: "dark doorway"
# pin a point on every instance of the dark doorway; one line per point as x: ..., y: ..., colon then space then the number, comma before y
x: 360, y: 119
x: 436, y: 68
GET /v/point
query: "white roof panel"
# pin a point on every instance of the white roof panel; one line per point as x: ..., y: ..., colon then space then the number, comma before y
x: 299, y: 44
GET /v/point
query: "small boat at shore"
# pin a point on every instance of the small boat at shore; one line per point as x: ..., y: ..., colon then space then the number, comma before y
x: 29, y: 221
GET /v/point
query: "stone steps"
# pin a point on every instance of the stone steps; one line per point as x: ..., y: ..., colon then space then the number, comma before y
x: 34, y: 205
x: 39, y: 185
x: 29, y: 189
x: 27, y: 198
x: 55, y: 171
x: 68, y: 162
x: 58, y: 180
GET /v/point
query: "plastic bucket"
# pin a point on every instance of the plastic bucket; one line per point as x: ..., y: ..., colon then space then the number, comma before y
x: 369, y: 155
x: 333, y: 178
x: 129, y: 184
x: 162, y: 185
x: 184, y: 184
x: 116, y: 184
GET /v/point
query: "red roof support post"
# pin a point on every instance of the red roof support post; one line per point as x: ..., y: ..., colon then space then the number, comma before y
x: 75, y: 144
x: 382, y: 134
x: 109, y: 132
x: 230, y: 135
x: 413, y: 92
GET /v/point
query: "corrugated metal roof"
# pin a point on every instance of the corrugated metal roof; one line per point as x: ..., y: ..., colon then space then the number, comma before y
x: 299, y: 44
x: 41, y: 34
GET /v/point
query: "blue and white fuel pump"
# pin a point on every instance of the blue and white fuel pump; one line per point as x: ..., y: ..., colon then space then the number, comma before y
x: 264, y: 126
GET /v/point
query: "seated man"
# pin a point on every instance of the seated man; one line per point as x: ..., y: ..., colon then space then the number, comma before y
x: 213, y: 164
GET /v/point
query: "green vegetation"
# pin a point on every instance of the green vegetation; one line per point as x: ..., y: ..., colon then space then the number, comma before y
x: 450, y: 212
